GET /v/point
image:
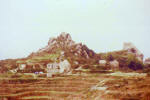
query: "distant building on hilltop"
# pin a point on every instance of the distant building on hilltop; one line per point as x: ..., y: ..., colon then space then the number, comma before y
x: 132, y: 49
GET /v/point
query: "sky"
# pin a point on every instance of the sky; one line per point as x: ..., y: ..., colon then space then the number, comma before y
x: 103, y: 25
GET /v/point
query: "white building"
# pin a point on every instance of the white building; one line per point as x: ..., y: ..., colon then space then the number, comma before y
x: 102, y: 62
x: 65, y: 66
x: 52, y: 68
x: 114, y: 64
x: 22, y: 66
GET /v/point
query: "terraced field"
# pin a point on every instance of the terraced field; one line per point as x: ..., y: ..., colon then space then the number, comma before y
x: 47, y: 88
x: 77, y: 87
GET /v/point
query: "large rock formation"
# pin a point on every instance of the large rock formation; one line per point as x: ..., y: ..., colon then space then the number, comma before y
x: 65, y: 43
x: 132, y: 49
x: 62, y: 41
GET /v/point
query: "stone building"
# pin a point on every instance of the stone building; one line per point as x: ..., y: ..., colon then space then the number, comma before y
x: 22, y: 66
x: 102, y: 62
x: 62, y: 68
x: 65, y: 66
x: 114, y: 64
x: 147, y: 61
x: 52, y: 68
x: 132, y: 49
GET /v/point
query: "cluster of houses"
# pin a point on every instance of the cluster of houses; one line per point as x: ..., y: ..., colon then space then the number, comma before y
x: 113, y: 64
x: 51, y: 68
x: 62, y: 67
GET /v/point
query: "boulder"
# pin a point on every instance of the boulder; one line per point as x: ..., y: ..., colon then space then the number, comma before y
x: 132, y: 49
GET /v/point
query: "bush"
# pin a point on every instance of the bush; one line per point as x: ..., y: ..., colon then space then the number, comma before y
x: 134, y: 63
x: 110, y: 57
x: 126, y: 60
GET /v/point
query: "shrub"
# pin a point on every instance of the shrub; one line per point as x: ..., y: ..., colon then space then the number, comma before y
x: 126, y: 60
x: 110, y: 57
x: 134, y: 63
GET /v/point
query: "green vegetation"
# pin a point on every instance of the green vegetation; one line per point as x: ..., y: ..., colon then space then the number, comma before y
x: 16, y: 75
x: 20, y: 61
x: 134, y: 63
x: 50, y: 57
x: 37, y: 59
x: 126, y: 60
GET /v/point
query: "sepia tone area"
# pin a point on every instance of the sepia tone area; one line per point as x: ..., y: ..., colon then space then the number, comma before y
x: 66, y: 70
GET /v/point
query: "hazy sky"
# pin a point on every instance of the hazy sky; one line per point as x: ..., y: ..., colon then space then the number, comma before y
x: 103, y: 25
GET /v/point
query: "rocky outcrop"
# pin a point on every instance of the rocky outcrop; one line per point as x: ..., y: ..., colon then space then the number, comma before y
x: 62, y: 41
x: 132, y: 49
x: 65, y: 43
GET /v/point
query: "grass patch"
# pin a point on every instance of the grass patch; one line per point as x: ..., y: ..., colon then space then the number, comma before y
x: 50, y: 57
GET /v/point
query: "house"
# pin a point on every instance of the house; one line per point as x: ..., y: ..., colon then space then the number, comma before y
x: 102, y: 62
x: 22, y: 66
x: 52, y: 68
x: 14, y: 70
x: 65, y: 66
x: 114, y: 64
x: 62, y: 67
x: 131, y: 48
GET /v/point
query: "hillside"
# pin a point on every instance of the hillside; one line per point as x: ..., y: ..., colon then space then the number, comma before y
x: 65, y: 70
x: 78, y: 54
x: 127, y: 61
x: 59, y: 48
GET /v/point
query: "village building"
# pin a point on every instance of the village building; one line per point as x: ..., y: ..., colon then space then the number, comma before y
x: 131, y: 48
x: 102, y: 62
x: 65, y: 66
x: 114, y: 65
x: 52, y: 68
x: 147, y: 61
x: 14, y: 70
x: 22, y: 66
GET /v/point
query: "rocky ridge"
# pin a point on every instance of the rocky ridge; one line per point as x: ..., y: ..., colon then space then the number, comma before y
x: 65, y: 43
x: 62, y: 48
